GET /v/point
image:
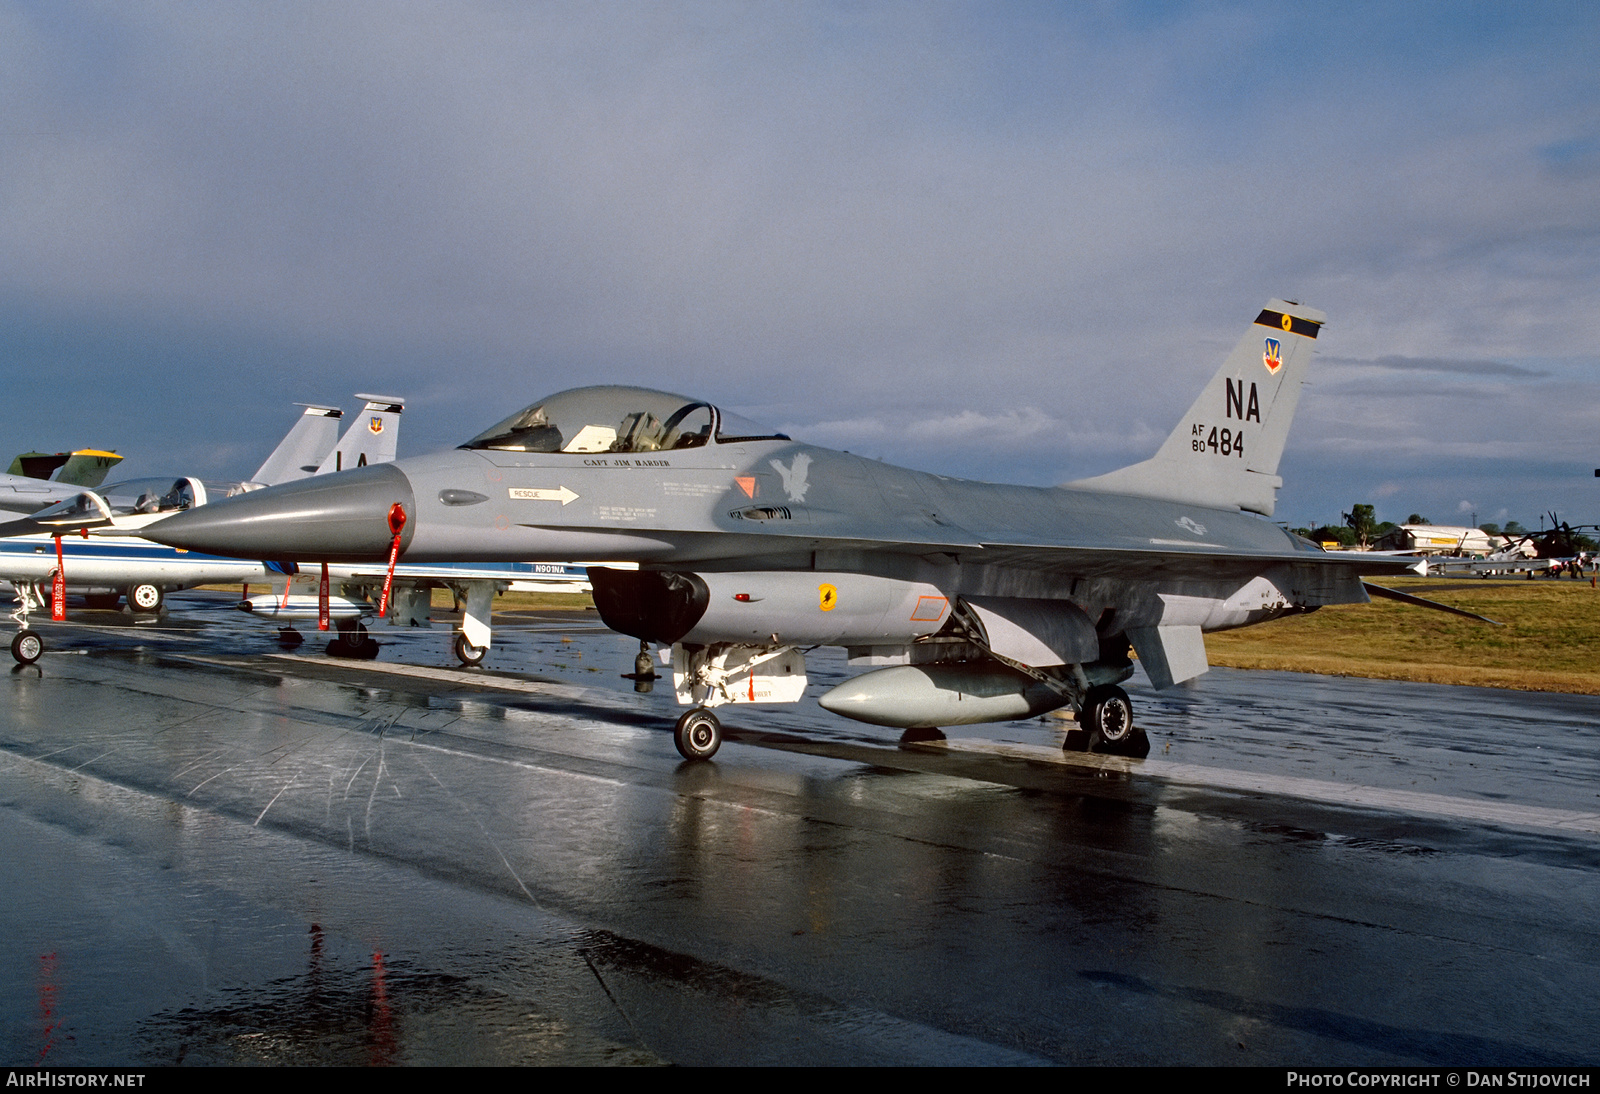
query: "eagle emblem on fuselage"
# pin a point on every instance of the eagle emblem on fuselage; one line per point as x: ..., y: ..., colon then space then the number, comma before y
x: 794, y: 476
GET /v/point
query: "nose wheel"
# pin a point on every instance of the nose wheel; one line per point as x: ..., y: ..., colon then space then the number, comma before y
x: 27, y: 646
x: 467, y: 653
x: 698, y: 735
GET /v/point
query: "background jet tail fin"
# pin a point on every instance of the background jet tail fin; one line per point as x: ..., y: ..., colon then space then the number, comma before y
x: 87, y: 467
x: 37, y: 465
x: 1224, y: 453
x: 371, y: 438
x: 303, y: 448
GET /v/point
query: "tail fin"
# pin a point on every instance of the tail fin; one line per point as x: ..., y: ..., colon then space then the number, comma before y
x: 371, y: 438
x: 303, y: 448
x: 1224, y: 453
x: 87, y: 467
x: 37, y: 465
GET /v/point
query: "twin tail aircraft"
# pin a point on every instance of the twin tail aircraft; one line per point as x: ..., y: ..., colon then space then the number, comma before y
x: 965, y: 602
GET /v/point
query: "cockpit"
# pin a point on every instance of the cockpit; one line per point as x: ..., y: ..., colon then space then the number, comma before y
x: 617, y: 420
x: 132, y: 497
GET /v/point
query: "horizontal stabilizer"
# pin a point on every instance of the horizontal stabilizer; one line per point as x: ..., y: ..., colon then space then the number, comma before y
x: 1422, y: 602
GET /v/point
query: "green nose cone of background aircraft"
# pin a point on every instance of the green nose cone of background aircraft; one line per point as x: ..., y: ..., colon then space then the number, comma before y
x: 343, y: 517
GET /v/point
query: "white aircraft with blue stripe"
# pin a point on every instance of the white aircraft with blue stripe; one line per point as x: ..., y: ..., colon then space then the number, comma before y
x: 93, y: 537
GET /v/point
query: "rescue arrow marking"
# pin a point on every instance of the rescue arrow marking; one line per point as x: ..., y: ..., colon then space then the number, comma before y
x: 561, y: 494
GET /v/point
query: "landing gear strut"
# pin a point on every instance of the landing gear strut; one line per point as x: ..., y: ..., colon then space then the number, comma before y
x: 26, y: 646
x: 698, y: 735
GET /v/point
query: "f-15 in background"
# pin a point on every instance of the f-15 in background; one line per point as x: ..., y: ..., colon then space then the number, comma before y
x: 968, y: 602
x: 92, y: 536
x: 39, y: 479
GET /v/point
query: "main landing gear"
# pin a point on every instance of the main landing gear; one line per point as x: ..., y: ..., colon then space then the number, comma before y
x: 353, y: 641
x: 698, y: 734
x: 145, y: 598
x: 1105, y: 724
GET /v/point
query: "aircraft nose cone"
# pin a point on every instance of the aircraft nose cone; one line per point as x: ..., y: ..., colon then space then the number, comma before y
x: 342, y: 517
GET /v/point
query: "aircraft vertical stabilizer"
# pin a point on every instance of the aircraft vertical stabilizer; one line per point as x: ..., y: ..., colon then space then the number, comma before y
x: 1224, y: 453
x: 371, y: 438
x: 303, y: 448
x: 87, y: 468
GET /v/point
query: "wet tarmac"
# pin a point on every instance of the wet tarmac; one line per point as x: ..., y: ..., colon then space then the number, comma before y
x: 218, y: 853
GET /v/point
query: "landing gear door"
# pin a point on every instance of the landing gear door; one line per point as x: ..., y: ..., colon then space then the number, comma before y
x: 475, y: 616
x: 711, y: 676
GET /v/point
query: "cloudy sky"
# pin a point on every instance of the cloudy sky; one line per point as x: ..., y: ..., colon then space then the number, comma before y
x: 1006, y: 241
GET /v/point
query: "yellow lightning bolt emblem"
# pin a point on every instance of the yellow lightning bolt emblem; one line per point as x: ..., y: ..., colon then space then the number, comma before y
x: 829, y: 595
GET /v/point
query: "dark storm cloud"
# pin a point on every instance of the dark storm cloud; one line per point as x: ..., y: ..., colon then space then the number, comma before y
x: 1439, y: 364
x: 1026, y: 234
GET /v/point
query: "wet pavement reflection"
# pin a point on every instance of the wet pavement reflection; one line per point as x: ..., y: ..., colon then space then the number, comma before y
x: 219, y: 854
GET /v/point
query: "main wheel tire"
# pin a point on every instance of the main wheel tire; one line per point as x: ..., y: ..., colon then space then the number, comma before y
x: 698, y: 735
x: 26, y: 647
x: 467, y: 653
x: 1108, y: 712
x: 145, y: 597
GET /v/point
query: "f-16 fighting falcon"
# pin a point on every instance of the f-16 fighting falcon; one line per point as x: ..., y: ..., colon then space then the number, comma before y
x: 967, y: 602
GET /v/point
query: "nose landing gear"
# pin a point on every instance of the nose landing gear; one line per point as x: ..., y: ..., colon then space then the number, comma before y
x: 698, y: 735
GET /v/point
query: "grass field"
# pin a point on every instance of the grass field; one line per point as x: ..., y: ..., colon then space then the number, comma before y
x: 1550, y: 641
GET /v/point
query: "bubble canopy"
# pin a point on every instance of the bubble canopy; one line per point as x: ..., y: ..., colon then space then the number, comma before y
x: 618, y: 419
x: 136, y: 497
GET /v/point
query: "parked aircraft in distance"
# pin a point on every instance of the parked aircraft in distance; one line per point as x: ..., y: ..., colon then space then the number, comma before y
x: 92, y: 536
x: 355, y: 593
x: 969, y: 602
x: 29, y: 486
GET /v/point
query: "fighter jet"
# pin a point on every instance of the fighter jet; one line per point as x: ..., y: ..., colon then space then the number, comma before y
x: 968, y: 602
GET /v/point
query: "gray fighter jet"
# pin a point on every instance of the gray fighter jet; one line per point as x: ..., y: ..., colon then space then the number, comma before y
x: 969, y: 602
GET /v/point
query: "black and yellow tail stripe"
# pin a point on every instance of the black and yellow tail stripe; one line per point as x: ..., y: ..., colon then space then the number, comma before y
x: 1277, y: 320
